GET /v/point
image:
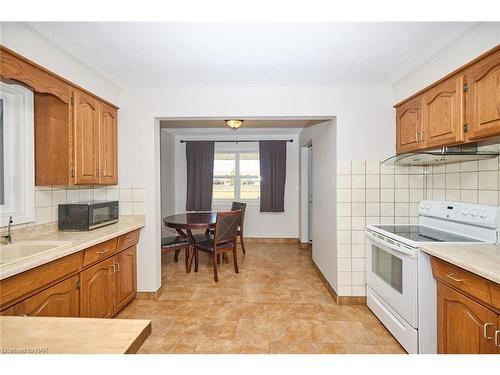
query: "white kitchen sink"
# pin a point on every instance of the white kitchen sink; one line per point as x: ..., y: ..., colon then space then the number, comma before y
x: 19, y: 250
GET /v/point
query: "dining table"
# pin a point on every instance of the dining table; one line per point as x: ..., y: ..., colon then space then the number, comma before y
x: 185, y: 223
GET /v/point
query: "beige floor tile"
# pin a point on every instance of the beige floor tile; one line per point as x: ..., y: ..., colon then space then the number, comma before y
x: 277, y: 303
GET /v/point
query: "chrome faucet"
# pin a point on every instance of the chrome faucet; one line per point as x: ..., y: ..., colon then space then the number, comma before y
x: 7, y: 238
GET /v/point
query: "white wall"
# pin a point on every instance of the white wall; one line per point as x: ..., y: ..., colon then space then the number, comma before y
x: 365, y: 130
x: 30, y: 44
x: 167, y: 175
x: 462, y: 50
x: 257, y: 224
x: 324, y: 154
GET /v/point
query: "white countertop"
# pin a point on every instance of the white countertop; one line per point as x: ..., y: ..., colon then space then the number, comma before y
x: 79, y: 241
x: 481, y: 259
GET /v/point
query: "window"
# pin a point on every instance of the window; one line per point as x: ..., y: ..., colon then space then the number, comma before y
x: 16, y: 154
x: 236, y: 176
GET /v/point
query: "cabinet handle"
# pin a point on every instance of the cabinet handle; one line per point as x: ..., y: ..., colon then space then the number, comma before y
x: 103, y: 251
x: 450, y: 276
x: 485, y: 331
x: 497, y: 340
x: 114, y: 269
x: 117, y: 267
x: 416, y: 137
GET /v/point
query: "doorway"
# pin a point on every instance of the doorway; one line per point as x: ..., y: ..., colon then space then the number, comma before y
x: 310, y: 194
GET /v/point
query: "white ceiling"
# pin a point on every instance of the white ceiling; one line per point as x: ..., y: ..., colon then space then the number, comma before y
x: 251, y: 54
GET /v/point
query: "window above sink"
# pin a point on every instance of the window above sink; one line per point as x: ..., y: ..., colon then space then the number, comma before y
x: 16, y: 154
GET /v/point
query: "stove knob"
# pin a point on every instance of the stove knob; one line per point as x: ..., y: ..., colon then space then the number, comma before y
x: 473, y: 213
x: 428, y: 206
x: 483, y: 214
x: 465, y: 211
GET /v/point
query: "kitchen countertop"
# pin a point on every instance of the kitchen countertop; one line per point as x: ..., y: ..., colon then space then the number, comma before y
x: 79, y: 241
x: 40, y: 335
x: 481, y: 259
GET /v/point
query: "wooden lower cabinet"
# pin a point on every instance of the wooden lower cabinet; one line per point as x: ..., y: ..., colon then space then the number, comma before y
x: 464, y: 326
x: 96, y: 294
x: 76, y: 285
x: 125, y: 278
x: 61, y: 299
x: 109, y: 286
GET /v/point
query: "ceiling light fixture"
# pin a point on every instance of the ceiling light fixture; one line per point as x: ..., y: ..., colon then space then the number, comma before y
x: 234, y: 124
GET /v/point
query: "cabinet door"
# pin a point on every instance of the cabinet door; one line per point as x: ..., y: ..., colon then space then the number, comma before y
x: 483, y: 97
x: 443, y: 113
x: 61, y: 300
x: 96, y: 294
x: 86, y: 138
x: 461, y: 324
x: 409, y: 126
x: 108, y: 145
x: 125, y: 278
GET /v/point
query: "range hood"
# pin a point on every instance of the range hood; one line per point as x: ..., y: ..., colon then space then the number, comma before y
x: 444, y: 155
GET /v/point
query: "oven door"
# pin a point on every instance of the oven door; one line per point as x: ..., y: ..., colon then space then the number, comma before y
x: 391, y: 272
x: 102, y: 214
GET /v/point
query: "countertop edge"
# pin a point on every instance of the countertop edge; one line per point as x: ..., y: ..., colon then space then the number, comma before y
x: 439, y: 253
x: 17, y: 268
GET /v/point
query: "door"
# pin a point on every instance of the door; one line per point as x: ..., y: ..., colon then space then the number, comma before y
x: 108, y: 145
x: 391, y: 272
x: 96, y: 294
x: 310, y: 195
x: 443, y: 113
x: 409, y: 133
x: 86, y: 138
x: 483, y: 98
x: 125, y: 277
x: 61, y: 300
x: 464, y: 326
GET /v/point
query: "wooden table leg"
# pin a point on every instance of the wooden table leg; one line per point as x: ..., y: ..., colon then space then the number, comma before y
x: 190, y: 251
x: 176, y: 254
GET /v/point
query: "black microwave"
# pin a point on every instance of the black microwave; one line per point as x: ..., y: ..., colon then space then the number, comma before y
x: 87, y: 216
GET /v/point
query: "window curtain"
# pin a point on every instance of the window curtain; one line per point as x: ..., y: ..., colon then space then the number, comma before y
x: 272, y: 155
x: 200, y: 175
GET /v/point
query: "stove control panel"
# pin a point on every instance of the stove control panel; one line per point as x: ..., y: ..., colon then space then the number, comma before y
x: 487, y: 216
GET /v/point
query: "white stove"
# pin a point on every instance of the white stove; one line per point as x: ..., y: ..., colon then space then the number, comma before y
x: 400, y: 288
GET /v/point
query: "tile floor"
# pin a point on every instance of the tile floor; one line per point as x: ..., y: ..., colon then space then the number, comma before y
x: 276, y: 304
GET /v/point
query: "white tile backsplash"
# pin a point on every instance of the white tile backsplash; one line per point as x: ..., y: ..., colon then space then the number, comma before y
x: 47, y: 199
x: 388, y: 195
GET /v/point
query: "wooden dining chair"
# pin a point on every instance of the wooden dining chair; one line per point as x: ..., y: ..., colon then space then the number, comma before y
x: 223, y: 242
x: 177, y: 243
x: 240, y: 206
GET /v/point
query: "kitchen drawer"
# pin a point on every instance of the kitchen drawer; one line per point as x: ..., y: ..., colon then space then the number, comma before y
x: 128, y: 240
x: 99, y: 251
x: 465, y: 281
x: 26, y: 283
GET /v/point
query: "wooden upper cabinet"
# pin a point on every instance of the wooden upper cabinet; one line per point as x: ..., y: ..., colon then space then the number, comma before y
x: 409, y: 126
x: 462, y: 107
x: 86, y: 138
x: 443, y: 113
x: 17, y: 68
x: 97, y: 290
x: 483, y: 98
x: 108, y: 145
x: 464, y: 326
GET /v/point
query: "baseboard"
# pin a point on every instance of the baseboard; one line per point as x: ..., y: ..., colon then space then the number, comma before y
x: 339, y: 300
x: 272, y: 240
x: 351, y: 300
x: 151, y: 296
x: 325, y: 282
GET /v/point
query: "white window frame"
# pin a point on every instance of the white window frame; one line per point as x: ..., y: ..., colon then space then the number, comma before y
x: 19, y: 164
x: 237, y: 179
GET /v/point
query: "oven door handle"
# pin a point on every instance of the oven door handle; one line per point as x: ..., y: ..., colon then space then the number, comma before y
x: 390, y: 244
